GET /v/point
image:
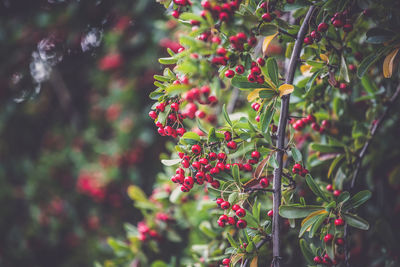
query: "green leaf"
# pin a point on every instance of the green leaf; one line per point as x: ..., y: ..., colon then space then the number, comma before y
x: 250, y: 247
x: 379, y: 36
x: 315, y: 188
x: 236, y: 173
x: 355, y: 221
x: 326, y: 148
x: 296, y: 211
x: 335, y: 165
x: 266, y: 117
x: 344, y: 196
x: 170, y: 162
x: 226, y: 116
x: 305, y: 249
x: 161, y: 78
x: 267, y: 93
x: 273, y: 71
x: 190, y: 16
x: 167, y: 60
x: 369, y: 60
x: 311, y: 80
x: 191, y: 137
x: 267, y: 29
x: 307, y: 225
x: 358, y: 199
x: 296, y: 154
x: 212, y: 136
x: 232, y: 241
x: 315, y: 226
x: 256, y: 211
x: 205, y: 227
x: 241, y: 82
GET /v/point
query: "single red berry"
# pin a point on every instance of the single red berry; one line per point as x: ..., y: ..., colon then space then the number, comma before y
x: 229, y: 74
x: 225, y: 205
x: 223, y: 16
x: 247, y: 167
x: 252, y: 41
x: 231, y: 221
x: 196, y: 165
x: 241, y: 37
x: 339, y: 222
x: 347, y: 27
x: 228, y: 136
x: 223, y: 218
x: 264, y: 5
x: 251, y: 78
x: 212, y: 156
x: 220, y: 166
x: 153, y: 114
x: 270, y: 213
x: 323, y: 27
x: 175, y: 14
x: 235, y: 207
x: 339, y: 241
x: 317, y: 259
x: 239, y: 69
x: 261, y: 61
x: 241, y: 224
x: 221, y: 223
x: 264, y: 182
x: 315, y: 126
x: 180, y: 131
x: 241, y: 212
x: 328, y: 238
x: 196, y: 149
x: 188, y: 181
x: 221, y: 51
x: 219, y: 201
x: 311, y: 118
x: 232, y: 145
x: 303, y: 172
x: 185, y: 163
x: 257, y: 118
x: 297, y: 167
x: 329, y: 187
x: 316, y: 36
x: 343, y: 86
x: 256, y: 70
x: 326, y: 124
x: 222, y: 157
x: 185, y: 188
x: 226, y: 261
x: 308, y: 40
x: 200, y: 176
x: 337, y: 193
x: 214, y: 170
x: 338, y: 23
x: 255, y: 154
x: 267, y: 17
x: 203, y: 161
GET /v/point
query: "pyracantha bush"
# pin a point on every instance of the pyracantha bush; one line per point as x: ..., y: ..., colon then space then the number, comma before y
x: 271, y: 107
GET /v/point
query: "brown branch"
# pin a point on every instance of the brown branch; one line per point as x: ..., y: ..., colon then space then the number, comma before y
x: 283, y: 120
x: 373, y: 130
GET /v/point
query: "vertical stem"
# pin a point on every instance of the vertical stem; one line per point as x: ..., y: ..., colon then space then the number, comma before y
x: 283, y: 119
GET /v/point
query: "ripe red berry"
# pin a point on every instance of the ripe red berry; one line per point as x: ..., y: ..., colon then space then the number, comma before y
x: 214, y: 170
x: 337, y: 193
x: 339, y: 241
x: 270, y: 213
x: 196, y: 165
x: 221, y: 51
x: 308, y: 40
x: 220, y: 166
x: 232, y: 145
x: 180, y: 131
x: 153, y: 114
x: 228, y: 136
x: 221, y: 223
x: 255, y: 70
x: 323, y: 27
x: 328, y: 238
x: 247, y: 167
x: 188, y: 181
x: 241, y: 37
x: 317, y: 259
x: 203, y: 161
x: 223, y: 16
x: 255, y: 154
x: 219, y: 201
x: 212, y: 156
x: 329, y: 187
x: 267, y: 17
x: 223, y: 218
x: 241, y: 224
x: 226, y: 261
x: 239, y: 69
x: 343, y: 86
x: 225, y: 205
x: 347, y: 27
x: 311, y: 118
x: 297, y: 167
x: 241, y: 212
x: 235, y: 207
x: 222, y: 157
x: 256, y: 106
x: 326, y: 124
x: 338, y: 23
x: 315, y: 126
x: 261, y: 61
x: 252, y: 41
x: 229, y: 74
x: 339, y: 222
x: 175, y: 14
x: 316, y: 36
x: 231, y: 221
x: 196, y: 149
x: 185, y: 163
x: 264, y: 182
x: 251, y: 78
x: 215, y: 184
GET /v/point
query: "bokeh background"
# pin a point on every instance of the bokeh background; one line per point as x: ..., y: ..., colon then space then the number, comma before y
x: 74, y: 83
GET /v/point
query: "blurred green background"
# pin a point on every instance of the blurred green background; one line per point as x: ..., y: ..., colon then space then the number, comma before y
x: 74, y: 83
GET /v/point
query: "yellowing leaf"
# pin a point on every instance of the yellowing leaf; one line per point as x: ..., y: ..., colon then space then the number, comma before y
x: 136, y: 194
x: 305, y: 70
x: 253, y: 95
x: 267, y: 42
x: 388, y: 63
x: 285, y: 89
x: 324, y: 58
x: 315, y: 213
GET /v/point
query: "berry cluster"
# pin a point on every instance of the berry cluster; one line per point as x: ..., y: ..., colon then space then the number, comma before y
x: 145, y: 233
x: 299, y: 125
x: 233, y: 220
x: 326, y: 260
x: 298, y: 169
x: 336, y: 192
x: 223, y: 12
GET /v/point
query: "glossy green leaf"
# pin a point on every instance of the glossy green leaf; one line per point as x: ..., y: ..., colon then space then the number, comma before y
x: 226, y: 116
x: 296, y: 154
x: 241, y: 82
x: 359, y: 199
x: 308, y: 254
x: 318, y: 222
x: 326, y: 148
x: 315, y: 188
x: 296, y: 211
x: 236, y: 173
x: 267, y: 116
x: 167, y: 60
x: 273, y: 71
x: 344, y: 196
x: 355, y: 221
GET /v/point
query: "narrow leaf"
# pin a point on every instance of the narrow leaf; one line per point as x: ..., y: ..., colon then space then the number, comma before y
x: 315, y: 188
x: 295, y: 212
x: 226, y: 116
x: 305, y: 249
x: 355, y: 221
x: 388, y: 63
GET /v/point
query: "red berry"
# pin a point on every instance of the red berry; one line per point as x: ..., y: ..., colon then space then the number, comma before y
x: 241, y: 37
x: 326, y: 124
x: 267, y: 17
x: 223, y: 218
x: 185, y: 163
x: 338, y: 23
x: 196, y: 165
x: 261, y: 61
x: 180, y: 131
x: 229, y: 74
x: 220, y: 166
x: 264, y: 182
x: 231, y: 221
x: 251, y: 78
x: 347, y: 27
x: 196, y: 149
x: 222, y: 157
x: 219, y: 201
x: 255, y: 154
x: 221, y: 223
x: 337, y: 193
x: 225, y: 205
x: 232, y: 145
x: 323, y: 27
x: 221, y: 51
x: 215, y: 184
x: 317, y: 259
x: 226, y: 261
x: 203, y: 161
x: 343, y: 86
x: 316, y: 36
x: 214, y: 170
x: 270, y: 213
x: 175, y: 14
x: 241, y: 224
x: 228, y: 136
x: 329, y: 187
x: 304, y: 172
x: 339, y: 241
x: 241, y: 212
x: 235, y: 207
x: 311, y: 118
x: 252, y: 41
x: 315, y: 126
x: 308, y: 40
x: 339, y: 222
x: 188, y: 181
x: 255, y: 70
x: 223, y: 16
x: 239, y: 69
x: 247, y: 167
x: 212, y: 156
x: 328, y: 238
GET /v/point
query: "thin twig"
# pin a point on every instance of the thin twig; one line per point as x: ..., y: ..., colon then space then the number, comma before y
x: 283, y: 119
x: 373, y: 130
